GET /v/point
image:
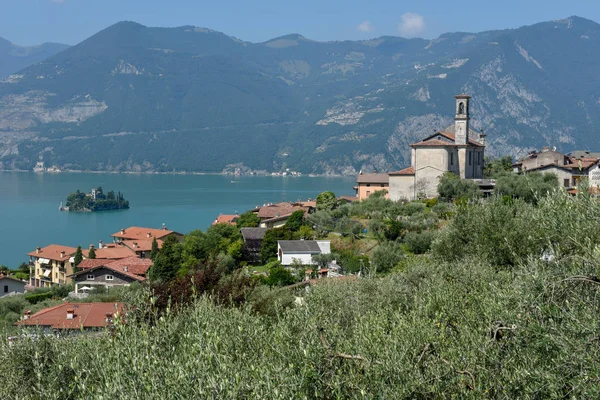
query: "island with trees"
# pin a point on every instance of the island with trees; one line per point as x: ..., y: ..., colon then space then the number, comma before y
x: 96, y: 200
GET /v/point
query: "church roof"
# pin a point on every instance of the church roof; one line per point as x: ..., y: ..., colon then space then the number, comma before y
x: 405, y: 171
x: 435, y: 139
x: 372, y: 178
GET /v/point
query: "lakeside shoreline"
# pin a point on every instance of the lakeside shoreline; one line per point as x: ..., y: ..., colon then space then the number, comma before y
x: 178, y: 173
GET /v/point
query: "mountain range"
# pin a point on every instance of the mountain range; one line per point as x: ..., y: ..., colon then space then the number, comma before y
x: 14, y: 58
x: 134, y: 98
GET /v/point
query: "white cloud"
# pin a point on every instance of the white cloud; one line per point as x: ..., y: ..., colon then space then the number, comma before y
x: 365, y: 26
x: 411, y: 24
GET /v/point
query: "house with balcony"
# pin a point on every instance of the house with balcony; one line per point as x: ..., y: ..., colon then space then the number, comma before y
x: 140, y: 233
x: 51, y: 265
x: 110, y: 273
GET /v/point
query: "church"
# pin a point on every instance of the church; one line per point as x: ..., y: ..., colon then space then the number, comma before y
x: 457, y: 149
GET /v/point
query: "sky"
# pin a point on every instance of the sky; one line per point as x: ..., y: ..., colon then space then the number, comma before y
x: 30, y: 22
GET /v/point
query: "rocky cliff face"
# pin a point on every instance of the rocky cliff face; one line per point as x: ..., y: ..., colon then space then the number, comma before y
x: 191, y: 99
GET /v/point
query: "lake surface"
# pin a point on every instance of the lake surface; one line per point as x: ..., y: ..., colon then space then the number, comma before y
x: 30, y: 217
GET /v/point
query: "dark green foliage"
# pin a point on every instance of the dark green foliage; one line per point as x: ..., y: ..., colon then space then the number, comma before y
x: 279, y: 276
x: 248, y: 219
x: 326, y: 201
x: 495, y: 167
x: 418, y: 243
x: 35, y: 298
x: 78, y: 259
x: 452, y: 187
x: 394, y: 230
x: 92, y: 253
x: 168, y: 261
x: 79, y: 201
x: 385, y: 257
x: 268, y: 248
x: 529, y: 187
x: 154, y: 250
x: 295, y: 221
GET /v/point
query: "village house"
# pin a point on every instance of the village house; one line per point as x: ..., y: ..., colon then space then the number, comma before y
x: 367, y: 184
x: 253, y: 238
x: 301, y: 251
x: 457, y: 149
x: 276, y: 215
x: 51, y: 265
x: 569, y: 168
x: 10, y: 286
x: 73, y: 317
x: 111, y: 251
x: 110, y: 274
x: 226, y: 219
x: 139, y: 233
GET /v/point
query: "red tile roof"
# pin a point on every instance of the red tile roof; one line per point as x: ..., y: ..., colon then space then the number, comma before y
x: 277, y: 210
x: 437, y: 142
x: 141, y: 245
x: 136, y: 232
x: 86, y: 315
x: 53, y: 252
x: 226, y: 219
x: 111, y: 253
x: 136, y: 267
x: 91, y: 263
x: 405, y: 171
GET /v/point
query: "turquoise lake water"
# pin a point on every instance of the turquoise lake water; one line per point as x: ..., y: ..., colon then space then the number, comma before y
x: 29, y: 204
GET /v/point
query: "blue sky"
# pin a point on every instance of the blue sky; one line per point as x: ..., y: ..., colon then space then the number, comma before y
x: 28, y: 22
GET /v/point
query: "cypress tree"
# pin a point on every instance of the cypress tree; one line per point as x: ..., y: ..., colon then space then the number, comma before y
x: 78, y: 259
x: 154, y: 252
x: 92, y: 254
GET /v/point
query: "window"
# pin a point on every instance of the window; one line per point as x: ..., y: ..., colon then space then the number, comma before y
x: 451, y: 158
x: 5, y: 288
x: 368, y: 193
x: 566, y: 183
x: 90, y: 277
x: 109, y: 277
x: 382, y: 185
x: 368, y: 185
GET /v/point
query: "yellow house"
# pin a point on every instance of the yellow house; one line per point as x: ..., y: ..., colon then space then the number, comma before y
x: 51, y: 265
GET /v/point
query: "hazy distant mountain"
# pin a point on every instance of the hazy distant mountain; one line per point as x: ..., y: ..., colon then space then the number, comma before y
x: 132, y: 98
x: 14, y: 58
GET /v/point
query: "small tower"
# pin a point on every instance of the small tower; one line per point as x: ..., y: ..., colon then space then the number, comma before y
x: 461, y: 119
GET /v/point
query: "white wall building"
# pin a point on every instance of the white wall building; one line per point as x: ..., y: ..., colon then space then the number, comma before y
x: 301, y: 250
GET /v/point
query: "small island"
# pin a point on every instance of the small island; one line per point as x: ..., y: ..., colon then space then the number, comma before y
x: 96, y: 200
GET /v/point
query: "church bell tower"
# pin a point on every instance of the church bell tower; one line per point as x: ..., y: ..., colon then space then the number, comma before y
x: 461, y: 119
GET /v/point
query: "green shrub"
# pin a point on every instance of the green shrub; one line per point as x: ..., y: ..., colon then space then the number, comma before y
x: 419, y: 243
x: 35, y: 298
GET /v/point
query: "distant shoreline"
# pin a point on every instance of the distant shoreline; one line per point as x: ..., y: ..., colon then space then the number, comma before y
x: 177, y: 173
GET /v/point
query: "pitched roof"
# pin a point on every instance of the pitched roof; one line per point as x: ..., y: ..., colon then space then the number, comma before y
x: 137, y: 232
x: 226, y: 219
x: 253, y: 233
x: 136, y: 267
x: 91, y: 263
x: 277, y: 210
x: 2, y: 277
x: 111, y: 253
x: 430, y: 141
x: 53, y: 252
x: 142, y: 244
x: 299, y: 246
x: 86, y: 315
x: 372, y: 178
x: 405, y: 171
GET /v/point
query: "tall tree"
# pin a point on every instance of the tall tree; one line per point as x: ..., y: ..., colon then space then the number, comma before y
x: 92, y: 254
x: 78, y: 259
x: 326, y: 201
x: 168, y: 261
x: 154, y: 251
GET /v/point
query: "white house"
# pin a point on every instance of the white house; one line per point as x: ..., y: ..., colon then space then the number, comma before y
x: 9, y: 286
x: 301, y: 250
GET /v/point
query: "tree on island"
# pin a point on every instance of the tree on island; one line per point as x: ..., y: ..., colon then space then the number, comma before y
x: 154, y: 251
x: 92, y: 253
x: 78, y: 259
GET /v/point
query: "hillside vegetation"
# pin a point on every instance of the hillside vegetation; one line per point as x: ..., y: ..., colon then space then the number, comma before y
x: 503, y: 305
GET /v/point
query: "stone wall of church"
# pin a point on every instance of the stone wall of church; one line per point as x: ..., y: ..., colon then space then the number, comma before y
x: 402, y: 187
x: 430, y: 164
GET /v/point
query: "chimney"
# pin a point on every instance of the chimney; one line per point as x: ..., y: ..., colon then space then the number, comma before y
x: 62, y: 254
x: 149, y: 234
x: 122, y: 231
x: 38, y: 250
x: 100, y: 244
x: 27, y: 314
x: 135, y: 245
x: 109, y: 317
x: 164, y: 227
x: 126, y: 268
x: 70, y: 313
x: 91, y: 246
